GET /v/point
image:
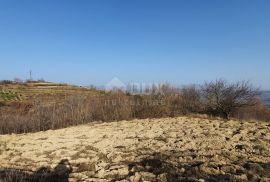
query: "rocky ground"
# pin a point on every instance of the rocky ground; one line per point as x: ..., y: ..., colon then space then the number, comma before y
x: 170, y: 149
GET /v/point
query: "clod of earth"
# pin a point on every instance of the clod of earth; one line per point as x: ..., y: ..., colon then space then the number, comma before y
x: 168, y: 149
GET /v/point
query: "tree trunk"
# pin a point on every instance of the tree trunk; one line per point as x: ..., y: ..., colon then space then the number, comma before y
x: 224, y: 115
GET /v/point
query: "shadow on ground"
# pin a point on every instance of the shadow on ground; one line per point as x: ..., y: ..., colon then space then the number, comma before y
x: 157, y: 168
x: 59, y: 174
x: 195, y: 171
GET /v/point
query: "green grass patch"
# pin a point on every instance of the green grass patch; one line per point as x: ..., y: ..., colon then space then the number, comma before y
x: 8, y: 95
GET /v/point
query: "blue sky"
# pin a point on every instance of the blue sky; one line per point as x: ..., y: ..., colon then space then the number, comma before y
x: 181, y: 42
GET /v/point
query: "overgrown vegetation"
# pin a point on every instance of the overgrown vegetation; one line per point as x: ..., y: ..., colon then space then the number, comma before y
x: 56, y: 106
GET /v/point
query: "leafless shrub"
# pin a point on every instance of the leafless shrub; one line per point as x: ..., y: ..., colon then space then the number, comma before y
x: 150, y: 106
x: 76, y: 109
x: 222, y: 98
x: 191, y: 100
x: 218, y: 98
x: 113, y: 107
x: 168, y: 89
x: 256, y: 112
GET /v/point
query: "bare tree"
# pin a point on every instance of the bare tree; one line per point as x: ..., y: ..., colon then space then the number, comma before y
x: 191, y: 99
x: 221, y: 97
x: 167, y: 89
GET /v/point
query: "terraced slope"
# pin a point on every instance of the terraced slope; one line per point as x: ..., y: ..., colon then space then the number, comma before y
x: 172, y: 149
x: 41, y: 91
x: 8, y: 95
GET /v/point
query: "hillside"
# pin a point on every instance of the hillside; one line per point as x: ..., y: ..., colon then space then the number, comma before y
x: 170, y: 149
x: 266, y: 97
x: 46, y: 91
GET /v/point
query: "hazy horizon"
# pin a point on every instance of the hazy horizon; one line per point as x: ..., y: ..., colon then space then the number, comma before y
x: 180, y: 42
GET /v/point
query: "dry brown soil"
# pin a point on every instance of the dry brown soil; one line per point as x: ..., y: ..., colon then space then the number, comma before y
x: 168, y: 149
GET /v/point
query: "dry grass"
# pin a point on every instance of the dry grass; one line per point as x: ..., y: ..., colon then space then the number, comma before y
x: 42, y: 106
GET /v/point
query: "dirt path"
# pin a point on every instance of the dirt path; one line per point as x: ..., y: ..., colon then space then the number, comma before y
x: 175, y: 149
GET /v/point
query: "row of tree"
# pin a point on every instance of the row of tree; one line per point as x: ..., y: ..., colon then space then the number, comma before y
x: 20, y: 81
x: 218, y: 98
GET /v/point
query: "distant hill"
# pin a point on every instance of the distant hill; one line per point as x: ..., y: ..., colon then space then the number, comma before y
x: 266, y: 97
